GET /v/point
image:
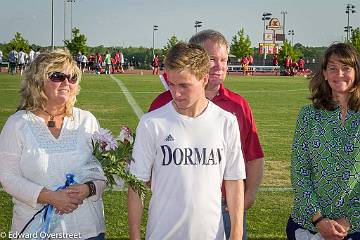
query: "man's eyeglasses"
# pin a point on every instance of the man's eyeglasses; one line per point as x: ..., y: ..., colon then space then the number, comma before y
x: 60, y: 77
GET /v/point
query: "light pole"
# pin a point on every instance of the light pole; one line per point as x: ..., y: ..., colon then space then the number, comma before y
x: 64, y: 22
x: 155, y: 28
x: 348, y: 30
x: 52, y: 25
x: 349, y: 9
x: 265, y: 16
x: 284, y: 13
x: 292, y: 33
x: 197, y: 25
x: 71, y: 16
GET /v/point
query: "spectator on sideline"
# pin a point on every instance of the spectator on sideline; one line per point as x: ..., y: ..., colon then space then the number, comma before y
x: 245, y: 65
x: 251, y: 60
x: 37, y: 53
x: 31, y: 55
x: 113, y: 64
x: 122, y: 62
x: 21, y: 60
x: 275, y: 60
x: 78, y: 59
x: 83, y: 62
x: 217, y: 47
x: 98, y: 63
x: 185, y: 201
x: 107, y: 61
x: 325, y: 165
x: 288, y: 65
x: 155, y: 65
x: 117, y: 61
x: 46, y: 139
x: 301, y: 65
x: 12, y: 57
x: 91, y: 61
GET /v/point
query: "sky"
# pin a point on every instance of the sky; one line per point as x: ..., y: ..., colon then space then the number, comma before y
x: 127, y: 23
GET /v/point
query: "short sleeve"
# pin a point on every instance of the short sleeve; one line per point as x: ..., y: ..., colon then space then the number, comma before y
x: 235, y: 167
x: 251, y: 144
x: 144, y: 152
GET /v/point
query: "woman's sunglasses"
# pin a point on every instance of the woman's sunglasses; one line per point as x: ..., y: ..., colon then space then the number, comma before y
x: 60, y: 77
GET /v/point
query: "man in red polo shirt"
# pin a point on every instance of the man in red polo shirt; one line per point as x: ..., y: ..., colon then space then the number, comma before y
x: 217, y: 47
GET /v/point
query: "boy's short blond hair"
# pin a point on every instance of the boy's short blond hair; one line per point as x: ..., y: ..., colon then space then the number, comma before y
x: 190, y: 57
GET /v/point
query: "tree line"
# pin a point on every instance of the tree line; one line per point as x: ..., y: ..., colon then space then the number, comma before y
x: 141, y: 57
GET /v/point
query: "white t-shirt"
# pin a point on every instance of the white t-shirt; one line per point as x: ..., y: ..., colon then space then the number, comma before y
x: 37, y: 53
x: 21, y: 57
x: 187, y: 159
x: 122, y: 60
x: 83, y: 59
x: 31, y: 55
x: 31, y: 159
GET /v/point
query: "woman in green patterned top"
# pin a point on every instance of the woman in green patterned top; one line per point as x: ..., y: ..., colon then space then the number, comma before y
x: 325, y: 167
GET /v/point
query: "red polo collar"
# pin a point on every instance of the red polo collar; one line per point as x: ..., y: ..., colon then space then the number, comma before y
x: 223, y: 93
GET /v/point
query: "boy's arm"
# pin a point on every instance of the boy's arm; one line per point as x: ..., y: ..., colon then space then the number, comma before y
x: 135, y: 211
x: 235, y: 202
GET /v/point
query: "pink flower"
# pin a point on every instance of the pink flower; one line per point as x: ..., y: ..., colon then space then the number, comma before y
x: 125, y: 135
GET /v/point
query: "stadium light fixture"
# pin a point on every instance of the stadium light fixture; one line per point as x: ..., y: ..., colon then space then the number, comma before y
x: 284, y: 13
x: 266, y: 16
x: 292, y: 33
x: 348, y: 30
x: 71, y: 16
x: 349, y: 9
x: 197, y: 25
x: 52, y: 25
x: 155, y: 28
x: 64, y: 21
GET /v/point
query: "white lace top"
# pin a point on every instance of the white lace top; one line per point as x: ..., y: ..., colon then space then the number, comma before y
x: 31, y: 158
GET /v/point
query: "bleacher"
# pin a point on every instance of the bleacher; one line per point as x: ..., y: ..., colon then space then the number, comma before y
x: 252, y: 69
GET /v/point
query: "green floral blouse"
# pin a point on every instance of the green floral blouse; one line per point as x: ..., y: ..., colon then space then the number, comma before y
x: 325, y: 167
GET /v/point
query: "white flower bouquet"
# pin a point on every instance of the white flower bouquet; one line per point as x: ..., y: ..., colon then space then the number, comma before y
x: 114, y: 155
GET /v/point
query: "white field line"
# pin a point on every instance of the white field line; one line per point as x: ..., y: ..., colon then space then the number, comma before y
x: 136, y: 108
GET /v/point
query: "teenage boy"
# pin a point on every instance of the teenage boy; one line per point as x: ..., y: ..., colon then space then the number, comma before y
x: 217, y: 47
x: 187, y: 148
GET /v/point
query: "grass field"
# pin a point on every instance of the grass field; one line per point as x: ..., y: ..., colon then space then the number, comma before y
x: 275, y: 102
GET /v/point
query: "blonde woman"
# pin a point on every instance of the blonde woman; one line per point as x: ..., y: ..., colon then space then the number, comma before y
x: 46, y: 140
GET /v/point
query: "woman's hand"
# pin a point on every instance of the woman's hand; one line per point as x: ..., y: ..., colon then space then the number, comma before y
x: 331, y: 230
x: 64, y: 201
x: 81, y: 191
x: 77, y: 192
x: 344, y: 223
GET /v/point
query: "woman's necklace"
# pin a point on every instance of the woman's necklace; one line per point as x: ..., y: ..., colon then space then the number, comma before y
x: 51, y: 122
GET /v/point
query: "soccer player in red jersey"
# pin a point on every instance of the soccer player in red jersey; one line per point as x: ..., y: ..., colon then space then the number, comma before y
x: 117, y: 61
x: 288, y: 64
x: 301, y: 65
x: 155, y: 65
